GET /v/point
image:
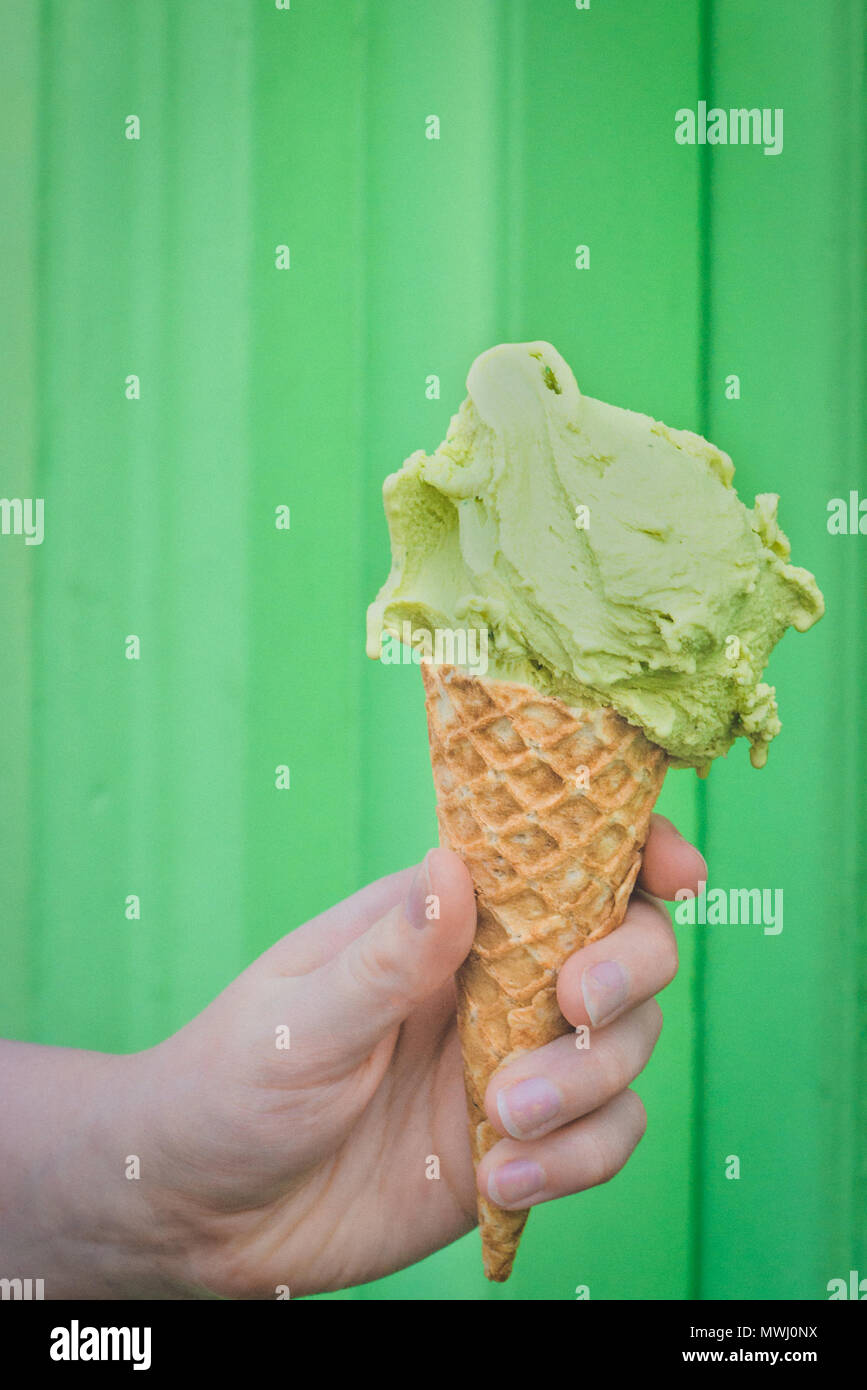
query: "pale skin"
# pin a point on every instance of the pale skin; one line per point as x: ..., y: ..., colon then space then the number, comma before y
x: 305, y: 1167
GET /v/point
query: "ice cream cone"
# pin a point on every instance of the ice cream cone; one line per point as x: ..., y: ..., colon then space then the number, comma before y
x: 549, y: 807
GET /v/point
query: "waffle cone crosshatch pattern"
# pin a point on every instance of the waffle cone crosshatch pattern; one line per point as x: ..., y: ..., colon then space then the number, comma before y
x: 549, y: 807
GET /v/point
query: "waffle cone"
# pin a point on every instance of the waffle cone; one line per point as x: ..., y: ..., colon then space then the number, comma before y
x: 549, y: 807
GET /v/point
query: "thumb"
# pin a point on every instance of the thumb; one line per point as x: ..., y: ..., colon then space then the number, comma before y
x: 382, y: 975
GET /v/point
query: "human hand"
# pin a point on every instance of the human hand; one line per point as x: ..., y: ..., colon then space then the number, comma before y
x: 305, y: 1166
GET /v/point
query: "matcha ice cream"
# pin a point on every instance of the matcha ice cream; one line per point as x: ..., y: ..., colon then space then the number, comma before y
x: 608, y: 558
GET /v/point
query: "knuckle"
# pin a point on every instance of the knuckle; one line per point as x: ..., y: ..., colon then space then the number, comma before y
x: 615, y: 1066
x: 605, y: 1157
x: 647, y: 911
x: 653, y: 917
x: 638, y: 1113
x: 656, y: 1018
x: 668, y: 956
x: 374, y: 970
x: 611, y: 1143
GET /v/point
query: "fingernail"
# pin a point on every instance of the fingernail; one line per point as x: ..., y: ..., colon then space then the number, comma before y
x: 422, y: 904
x: 605, y: 988
x: 515, y: 1181
x: 527, y: 1105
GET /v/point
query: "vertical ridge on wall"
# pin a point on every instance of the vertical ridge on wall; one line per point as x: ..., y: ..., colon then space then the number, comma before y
x: 851, y: 1226
x: 846, y: 1230
x: 602, y: 169
x: 147, y: 441
x: 303, y: 845
x: 137, y: 764
x: 433, y: 248
x: 431, y: 276
x: 705, y: 281
x: 19, y: 395
x: 511, y: 99
x: 781, y: 1009
x: 202, y: 599
x: 141, y: 437
x: 74, y: 774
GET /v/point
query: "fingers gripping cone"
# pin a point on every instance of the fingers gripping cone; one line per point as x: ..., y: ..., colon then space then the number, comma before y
x: 549, y: 807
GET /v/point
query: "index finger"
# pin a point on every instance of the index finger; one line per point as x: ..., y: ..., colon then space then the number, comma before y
x: 670, y: 862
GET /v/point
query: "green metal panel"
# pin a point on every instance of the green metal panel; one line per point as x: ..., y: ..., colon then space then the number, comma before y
x: 783, y: 1079
x: 263, y: 386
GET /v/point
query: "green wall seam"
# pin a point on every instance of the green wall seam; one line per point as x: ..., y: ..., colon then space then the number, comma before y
x: 705, y: 244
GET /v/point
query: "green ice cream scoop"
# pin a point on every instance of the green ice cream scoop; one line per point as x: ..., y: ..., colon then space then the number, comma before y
x: 606, y: 558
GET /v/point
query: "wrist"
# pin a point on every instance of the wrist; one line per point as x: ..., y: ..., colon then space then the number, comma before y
x: 114, y: 1239
x: 77, y: 1209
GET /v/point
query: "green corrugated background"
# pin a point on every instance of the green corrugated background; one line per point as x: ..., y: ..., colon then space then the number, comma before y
x: 304, y: 387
